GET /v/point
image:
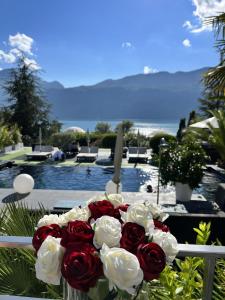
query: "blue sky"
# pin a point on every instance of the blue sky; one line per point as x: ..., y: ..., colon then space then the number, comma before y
x: 86, y: 41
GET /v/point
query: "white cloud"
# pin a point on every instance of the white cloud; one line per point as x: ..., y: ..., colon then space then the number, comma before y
x: 188, y: 25
x: 21, y: 42
x: 127, y: 45
x: 186, y: 43
x: 31, y: 63
x: 204, y: 9
x: 148, y: 70
x: 8, y: 58
x: 16, y: 52
x: 0, y: 69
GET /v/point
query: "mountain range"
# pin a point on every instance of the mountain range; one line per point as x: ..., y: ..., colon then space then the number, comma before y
x: 161, y: 95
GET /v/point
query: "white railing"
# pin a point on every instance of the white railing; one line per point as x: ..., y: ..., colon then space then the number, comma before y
x: 209, y: 253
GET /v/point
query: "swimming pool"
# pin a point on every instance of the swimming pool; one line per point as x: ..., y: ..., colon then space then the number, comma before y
x: 78, y: 178
x: 74, y: 178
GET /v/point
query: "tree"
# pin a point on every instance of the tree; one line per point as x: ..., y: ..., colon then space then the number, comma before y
x: 103, y: 127
x: 212, y: 101
x: 217, y: 138
x: 192, y: 118
x: 27, y: 107
x: 126, y: 126
x: 214, y: 78
x: 182, y: 127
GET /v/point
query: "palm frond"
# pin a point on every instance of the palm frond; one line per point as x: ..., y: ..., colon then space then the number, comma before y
x: 214, y: 78
x: 17, y: 272
x: 19, y: 220
x: 218, y: 134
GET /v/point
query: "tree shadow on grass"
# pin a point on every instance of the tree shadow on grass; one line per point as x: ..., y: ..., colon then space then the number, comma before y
x: 14, y: 197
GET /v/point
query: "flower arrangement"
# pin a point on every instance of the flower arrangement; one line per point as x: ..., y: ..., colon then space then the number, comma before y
x: 183, y: 163
x: 125, y: 244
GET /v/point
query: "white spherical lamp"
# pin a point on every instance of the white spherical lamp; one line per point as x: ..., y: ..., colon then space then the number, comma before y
x: 113, y: 188
x: 23, y: 184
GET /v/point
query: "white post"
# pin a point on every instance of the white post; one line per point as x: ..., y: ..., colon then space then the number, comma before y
x: 118, y: 157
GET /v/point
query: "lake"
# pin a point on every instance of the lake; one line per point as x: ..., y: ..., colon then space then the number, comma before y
x: 145, y: 127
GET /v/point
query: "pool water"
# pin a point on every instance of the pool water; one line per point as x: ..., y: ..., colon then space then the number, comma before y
x: 79, y: 178
x: 74, y: 178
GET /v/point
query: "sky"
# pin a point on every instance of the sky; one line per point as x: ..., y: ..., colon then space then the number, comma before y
x: 82, y: 42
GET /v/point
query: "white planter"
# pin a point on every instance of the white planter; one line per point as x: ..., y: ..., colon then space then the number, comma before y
x: 183, y: 192
x: 8, y: 149
x: 18, y: 146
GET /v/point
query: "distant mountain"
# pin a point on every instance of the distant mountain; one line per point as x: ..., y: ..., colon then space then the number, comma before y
x: 161, y: 95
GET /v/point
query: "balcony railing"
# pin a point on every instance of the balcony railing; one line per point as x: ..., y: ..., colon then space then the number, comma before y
x: 209, y: 253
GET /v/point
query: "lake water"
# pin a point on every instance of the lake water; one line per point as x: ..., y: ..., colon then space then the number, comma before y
x: 146, y: 127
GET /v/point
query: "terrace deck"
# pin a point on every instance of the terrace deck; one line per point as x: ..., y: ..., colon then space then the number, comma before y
x: 50, y: 199
x: 181, y: 223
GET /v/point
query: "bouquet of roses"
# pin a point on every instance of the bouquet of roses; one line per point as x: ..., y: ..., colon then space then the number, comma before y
x: 125, y: 244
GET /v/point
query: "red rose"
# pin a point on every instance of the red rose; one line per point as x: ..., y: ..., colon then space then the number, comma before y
x: 122, y: 207
x: 101, y: 208
x: 132, y: 236
x: 152, y: 260
x: 77, y: 231
x: 42, y: 232
x: 81, y: 267
x: 161, y: 226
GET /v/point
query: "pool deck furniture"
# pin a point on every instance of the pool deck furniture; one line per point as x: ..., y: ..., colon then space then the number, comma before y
x: 87, y: 154
x: 137, y: 154
x: 41, y: 152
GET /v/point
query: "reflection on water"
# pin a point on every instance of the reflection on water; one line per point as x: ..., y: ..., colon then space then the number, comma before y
x: 209, y: 185
x: 95, y: 179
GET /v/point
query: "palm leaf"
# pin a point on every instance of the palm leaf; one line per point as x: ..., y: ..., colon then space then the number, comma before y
x: 17, y: 272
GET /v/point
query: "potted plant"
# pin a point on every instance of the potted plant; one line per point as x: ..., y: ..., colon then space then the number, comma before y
x: 182, y: 165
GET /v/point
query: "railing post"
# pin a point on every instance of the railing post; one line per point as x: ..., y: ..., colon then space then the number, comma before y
x: 209, y: 270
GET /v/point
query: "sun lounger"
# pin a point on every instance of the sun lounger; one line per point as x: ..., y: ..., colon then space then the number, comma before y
x: 137, y: 154
x: 87, y: 154
x: 41, y: 152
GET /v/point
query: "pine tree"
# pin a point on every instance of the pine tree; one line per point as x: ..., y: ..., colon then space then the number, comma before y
x: 27, y: 107
x: 182, y: 127
x: 192, y: 117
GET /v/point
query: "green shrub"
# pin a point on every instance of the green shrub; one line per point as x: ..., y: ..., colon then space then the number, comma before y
x: 63, y: 139
x: 9, y: 136
x: 183, y: 163
x: 15, y: 134
x: 155, y: 140
x: 132, y: 140
x: 109, y: 141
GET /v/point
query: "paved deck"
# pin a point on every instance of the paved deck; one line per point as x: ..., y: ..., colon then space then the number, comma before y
x: 51, y: 199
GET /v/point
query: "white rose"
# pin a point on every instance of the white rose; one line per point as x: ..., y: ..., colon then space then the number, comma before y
x: 107, y: 230
x: 48, y: 220
x: 122, y: 268
x: 77, y: 213
x: 115, y: 199
x: 49, y: 260
x: 157, y: 211
x: 167, y: 242
x: 140, y: 214
x: 96, y: 198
